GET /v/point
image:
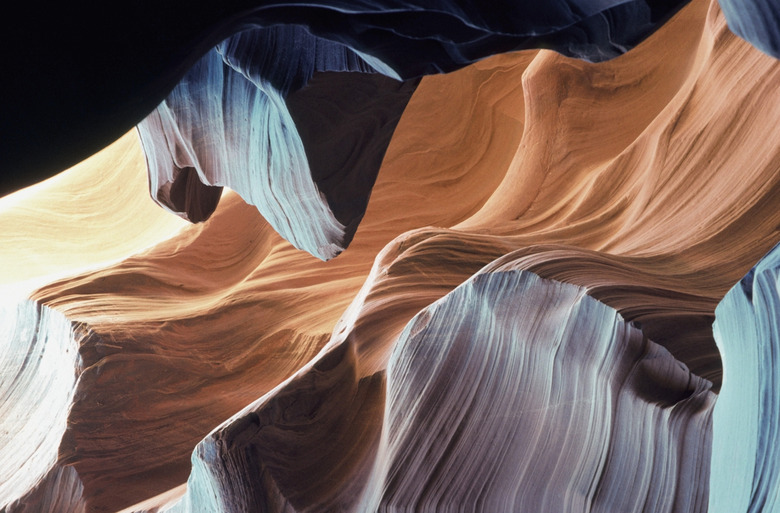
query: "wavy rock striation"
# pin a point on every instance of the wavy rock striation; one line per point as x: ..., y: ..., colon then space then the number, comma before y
x: 533, y: 263
x: 307, y: 446
x: 40, y: 366
x: 514, y: 393
x: 504, y: 409
x: 744, y: 477
x: 228, y: 123
x: 78, y: 106
x: 56, y: 228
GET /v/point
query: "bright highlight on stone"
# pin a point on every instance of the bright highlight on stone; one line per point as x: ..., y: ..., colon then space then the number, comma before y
x: 543, y: 281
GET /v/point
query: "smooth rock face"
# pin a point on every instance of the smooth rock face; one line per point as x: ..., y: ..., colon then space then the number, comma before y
x: 346, y: 121
x: 215, y: 121
x: 59, y: 231
x: 744, y: 474
x: 497, y: 400
x: 307, y: 446
x: 307, y: 160
x: 40, y: 365
x: 522, y: 320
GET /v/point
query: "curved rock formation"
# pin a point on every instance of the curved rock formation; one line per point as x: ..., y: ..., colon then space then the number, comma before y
x: 519, y: 394
x: 744, y: 477
x: 538, y: 266
x: 78, y: 105
x: 40, y: 364
x: 479, y: 415
x: 228, y: 123
x: 56, y: 228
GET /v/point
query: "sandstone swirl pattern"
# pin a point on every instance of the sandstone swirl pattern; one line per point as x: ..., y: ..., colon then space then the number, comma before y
x: 522, y: 320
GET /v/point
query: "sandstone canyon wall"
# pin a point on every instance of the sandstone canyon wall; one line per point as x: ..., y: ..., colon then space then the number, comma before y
x: 318, y: 277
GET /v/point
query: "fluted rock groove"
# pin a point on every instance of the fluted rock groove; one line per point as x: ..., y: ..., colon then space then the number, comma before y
x: 394, y: 289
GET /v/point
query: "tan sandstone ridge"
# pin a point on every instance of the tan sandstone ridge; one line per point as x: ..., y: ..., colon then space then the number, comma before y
x: 651, y: 181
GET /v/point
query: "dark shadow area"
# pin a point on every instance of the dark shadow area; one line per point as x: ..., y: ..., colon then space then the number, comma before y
x: 346, y: 121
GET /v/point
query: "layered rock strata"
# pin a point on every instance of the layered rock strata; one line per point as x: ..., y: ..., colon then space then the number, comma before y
x: 541, y: 258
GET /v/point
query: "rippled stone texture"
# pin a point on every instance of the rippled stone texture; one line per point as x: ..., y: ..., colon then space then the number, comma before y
x: 40, y: 364
x: 229, y: 123
x: 307, y: 161
x: 514, y: 393
x: 493, y: 403
x: 220, y: 352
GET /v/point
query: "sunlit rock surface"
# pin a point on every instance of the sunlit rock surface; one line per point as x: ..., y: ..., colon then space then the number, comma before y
x: 221, y: 369
x: 55, y: 228
x: 40, y: 365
